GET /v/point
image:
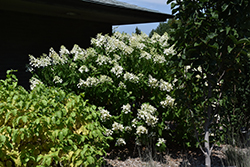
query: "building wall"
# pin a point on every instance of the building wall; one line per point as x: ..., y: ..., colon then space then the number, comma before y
x: 23, y: 34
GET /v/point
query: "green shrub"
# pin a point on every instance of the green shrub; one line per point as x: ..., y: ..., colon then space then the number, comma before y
x: 47, y: 127
x: 129, y: 76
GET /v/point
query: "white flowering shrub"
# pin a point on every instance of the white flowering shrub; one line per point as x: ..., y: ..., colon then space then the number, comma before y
x: 127, y: 75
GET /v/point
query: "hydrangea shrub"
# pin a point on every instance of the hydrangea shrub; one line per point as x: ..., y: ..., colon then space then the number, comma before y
x: 127, y: 76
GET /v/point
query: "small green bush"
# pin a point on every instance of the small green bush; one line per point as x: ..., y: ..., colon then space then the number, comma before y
x: 47, y: 127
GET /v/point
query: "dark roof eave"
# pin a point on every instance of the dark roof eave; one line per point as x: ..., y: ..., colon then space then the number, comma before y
x: 110, y: 14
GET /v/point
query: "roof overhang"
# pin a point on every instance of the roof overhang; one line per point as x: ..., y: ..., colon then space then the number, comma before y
x: 85, y: 10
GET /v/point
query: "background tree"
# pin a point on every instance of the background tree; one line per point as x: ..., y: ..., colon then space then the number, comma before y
x: 137, y: 31
x: 212, y: 53
x: 163, y: 27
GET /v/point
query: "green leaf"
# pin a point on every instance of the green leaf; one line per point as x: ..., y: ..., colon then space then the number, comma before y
x: 90, y: 159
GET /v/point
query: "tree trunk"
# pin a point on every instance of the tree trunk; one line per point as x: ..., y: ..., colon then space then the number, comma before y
x: 207, y: 150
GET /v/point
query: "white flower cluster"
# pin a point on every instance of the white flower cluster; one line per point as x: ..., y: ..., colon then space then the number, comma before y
x: 152, y: 82
x: 165, y: 86
x: 169, y: 51
x: 131, y: 77
x: 63, y: 51
x: 146, y: 113
x: 104, y: 114
x: 122, y: 85
x: 164, y: 40
x: 134, y: 122
x: 159, y: 59
x: 79, y: 53
x: 116, y: 127
x: 34, y: 82
x: 92, y: 81
x: 99, y: 41
x: 134, y: 42
x: 155, y: 38
x: 101, y: 59
x: 168, y: 102
x: 117, y: 70
x: 108, y: 132
x: 120, y: 142
x: 83, y: 68
x: 145, y: 55
x: 128, y: 128
x: 126, y: 108
x: 43, y: 61
x: 57, y: 79
x: 52, y: 59
x: 160, y: 142
x: 141, y: 130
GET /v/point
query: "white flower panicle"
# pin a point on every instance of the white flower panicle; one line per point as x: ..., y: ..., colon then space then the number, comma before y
x: 117, y: 127
x: 141, y: 130
x: 131, y: 77
x: 134, y: 122
x: 160, y: 142
x: 43, y: 61
x: 152, y: 82
x: 145, y: 55
x: 146, y: 113
x: 128, y: 128
x: 108, y: 132
x: 126, y: 108
x: 99, y: 41
x: 92, y: 81
x: 165, y: 86
x: 159, y: 59
x: 83, y: 68
x: 122, y: 85
x: 117, y: 70
x: 63, y: 50
x: 120, y: 142
x: 105, y: 115
x: 169, y: 51
x: 57, y: 79
x: 34, y: 82
x: 101, y: 59
x: 168, y: 102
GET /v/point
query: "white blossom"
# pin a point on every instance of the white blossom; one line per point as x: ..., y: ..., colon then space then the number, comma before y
x: 105, y: 115
x: 57, y: 79
x: 120, y: 142
x: 116, y: 127
x: 160, y: 142
x: 141, y: 130
x: 101, y: 59
x: 104, y: 78
x: 169, y: 51
x: 126, y: 108
x: 34, y: 82
x: 146, y: 113
x: 145, y: 55
x: 108, y: 132
x: 131, y: 77
x: 134, y: 122
x: 165, y: 86
x: 122, y: 85
x: 159, y: 59
x: 63, y: 50
x: 117, y: 70
x: 169, y: 101
x: 83, y: 68
x: 152, y: 82
x: 128, y: 128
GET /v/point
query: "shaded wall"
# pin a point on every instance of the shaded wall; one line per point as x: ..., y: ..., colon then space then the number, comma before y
x: 23, y: 34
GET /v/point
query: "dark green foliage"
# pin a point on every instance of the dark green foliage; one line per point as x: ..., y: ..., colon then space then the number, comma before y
x: 137, y: 31
x: 213, y: 36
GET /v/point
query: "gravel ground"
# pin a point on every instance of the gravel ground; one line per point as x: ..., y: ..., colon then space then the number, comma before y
x: 131, y: 157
